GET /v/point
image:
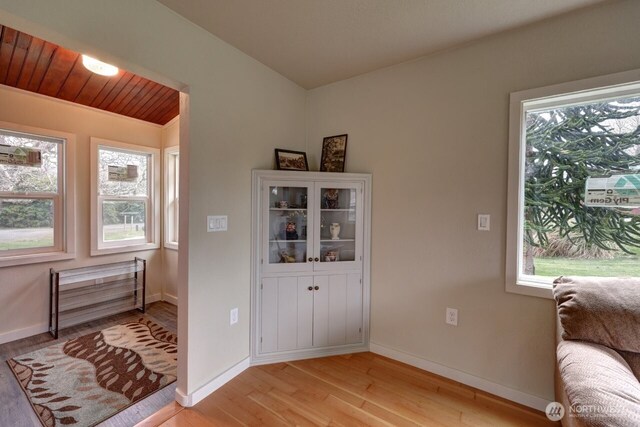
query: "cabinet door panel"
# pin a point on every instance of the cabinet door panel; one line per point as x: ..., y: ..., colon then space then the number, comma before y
x: 337, y: 309
x: 269, y: 315
x: 354, y: 309
x: 338, y: 229
x: 321, y: 311
x: 287, y: 242
x: 287, y: 313
x: 305, y: 312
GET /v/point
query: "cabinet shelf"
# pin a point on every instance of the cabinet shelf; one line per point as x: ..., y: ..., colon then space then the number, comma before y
x: 336, y: 240
x: 289, y: 209
x: 288, y: 241
x: 337, y: 210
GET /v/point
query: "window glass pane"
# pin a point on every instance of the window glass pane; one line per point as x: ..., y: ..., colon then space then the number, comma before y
x: 26, y: 223
x: 177, y: 174
x: 176, y: 222
x: 176, y: 188
x: 122, y: 173
x: 36, y: 166
x: 564, y: 233
x: 123, y: 220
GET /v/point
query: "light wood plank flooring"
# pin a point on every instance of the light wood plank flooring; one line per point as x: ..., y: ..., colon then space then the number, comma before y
x: 351, y: 390
x: 15, y: 410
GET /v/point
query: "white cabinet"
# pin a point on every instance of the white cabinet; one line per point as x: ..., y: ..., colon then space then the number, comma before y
x: 310, y: 293
x: 302, y: 312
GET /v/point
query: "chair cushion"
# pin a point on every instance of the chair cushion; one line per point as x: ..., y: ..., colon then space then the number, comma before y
x: 600, y: 310
x: 600, y: 387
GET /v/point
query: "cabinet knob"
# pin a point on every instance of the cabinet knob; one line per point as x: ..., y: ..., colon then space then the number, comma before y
x: 317, y: 259
x: 310, y: 288
x: 310, y: 259
x: 317, y: 287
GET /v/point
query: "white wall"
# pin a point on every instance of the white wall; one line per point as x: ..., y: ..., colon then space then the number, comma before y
x: 170, y: 138
x: 24, y: 290
x: 239, y: 111
x: 433, y: 133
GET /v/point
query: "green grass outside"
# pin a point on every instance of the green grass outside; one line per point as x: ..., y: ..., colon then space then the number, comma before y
x: 26, y: 244
x: 621, y: 265
x: 110, y: 235
x: 48, y: 241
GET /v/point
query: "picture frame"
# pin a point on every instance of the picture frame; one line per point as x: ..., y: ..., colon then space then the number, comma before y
x: 334, y: 153
x: 291, y: 160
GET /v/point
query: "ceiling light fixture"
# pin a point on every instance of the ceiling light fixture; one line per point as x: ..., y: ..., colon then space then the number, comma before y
x: 99, y: 67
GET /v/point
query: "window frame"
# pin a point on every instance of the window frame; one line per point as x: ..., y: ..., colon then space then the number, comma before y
x: 171, y: 197
x: 64, y: 202
x: 577, y: 92
x: 152, y: 238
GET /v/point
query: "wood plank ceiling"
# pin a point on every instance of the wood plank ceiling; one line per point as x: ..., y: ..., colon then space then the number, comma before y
x: 33, y: 64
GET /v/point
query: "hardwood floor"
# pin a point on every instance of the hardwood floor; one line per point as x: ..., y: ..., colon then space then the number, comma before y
x: 351, y: 390
x: 15, y: 410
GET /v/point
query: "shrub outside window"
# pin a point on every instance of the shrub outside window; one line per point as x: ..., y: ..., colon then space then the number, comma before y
x: 574, y: 187
x: 36, y: 196
x: 124, y: 186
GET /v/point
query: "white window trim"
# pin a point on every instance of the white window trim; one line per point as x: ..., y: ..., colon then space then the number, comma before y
x: 154, y: 200
x: 64, y: 228
x: 170, y: 224
x: 580, y: 91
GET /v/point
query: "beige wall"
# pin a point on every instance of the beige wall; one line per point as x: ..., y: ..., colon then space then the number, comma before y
x: 239, y: 112
x: 433, y: 133
x: 24, y: 290
x: 170, y: 138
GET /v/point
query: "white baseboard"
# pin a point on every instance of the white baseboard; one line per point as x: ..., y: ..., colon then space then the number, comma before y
x: 153, y: 298
x: 462, y: 377
x: 188, y: 400
x: 288, y: 356
x: 170, y: 299
x: 29, y: 331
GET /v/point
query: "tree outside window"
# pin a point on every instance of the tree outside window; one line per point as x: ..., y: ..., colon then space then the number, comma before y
x: 565, y: 145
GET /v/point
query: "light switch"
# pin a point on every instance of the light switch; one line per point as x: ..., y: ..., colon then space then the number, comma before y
x: 216, y: 223
x: 484, y: 222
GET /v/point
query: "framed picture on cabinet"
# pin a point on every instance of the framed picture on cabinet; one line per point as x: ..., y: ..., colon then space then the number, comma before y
x: 334, y: 152
x: 291, y: 160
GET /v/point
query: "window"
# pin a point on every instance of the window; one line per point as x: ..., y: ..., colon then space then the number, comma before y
x: 171, y: 200
x: 574, y: 182
x: 124, y: 190
x: 36, y: 195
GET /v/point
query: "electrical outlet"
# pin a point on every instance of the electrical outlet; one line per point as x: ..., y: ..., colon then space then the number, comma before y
x: 216, y: 223
x: 452, y: 316
x: 233, y: 316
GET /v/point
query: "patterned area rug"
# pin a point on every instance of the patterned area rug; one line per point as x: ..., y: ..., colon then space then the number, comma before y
x: 88, y: 379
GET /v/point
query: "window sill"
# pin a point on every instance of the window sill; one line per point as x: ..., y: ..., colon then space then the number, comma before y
x: 122, y: 249
x: 534, y: 289
x: 172, y: 246
x: 10, y: 261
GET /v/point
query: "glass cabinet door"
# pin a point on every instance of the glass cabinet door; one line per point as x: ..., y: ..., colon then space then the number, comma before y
x: 286, y: 235
x: 339, y: 228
